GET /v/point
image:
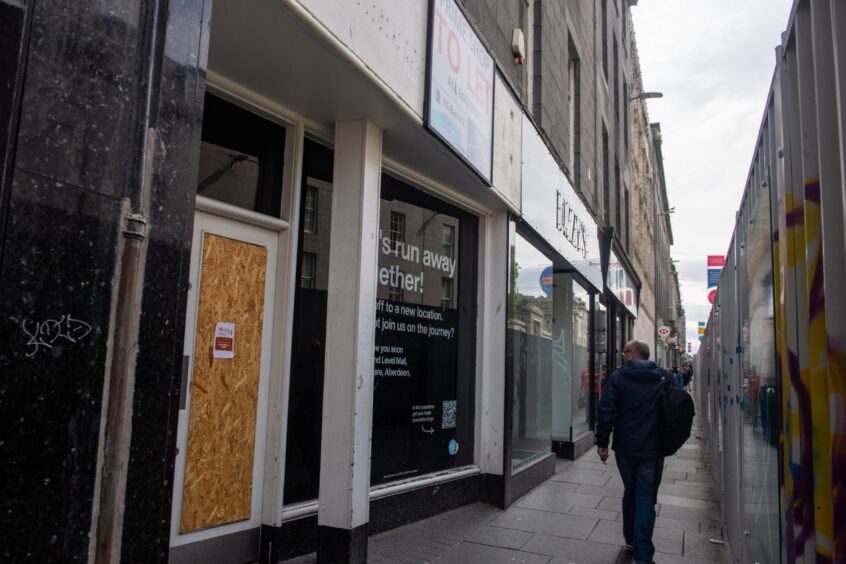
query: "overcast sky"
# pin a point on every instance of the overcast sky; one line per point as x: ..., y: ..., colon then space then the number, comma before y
x: 714, y: 62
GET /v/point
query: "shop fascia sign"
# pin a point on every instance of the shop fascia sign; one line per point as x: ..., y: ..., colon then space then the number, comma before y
x: 554, y: 210
x: 459, y: 105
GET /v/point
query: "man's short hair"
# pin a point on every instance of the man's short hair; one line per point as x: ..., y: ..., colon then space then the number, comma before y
x: 639, y: 348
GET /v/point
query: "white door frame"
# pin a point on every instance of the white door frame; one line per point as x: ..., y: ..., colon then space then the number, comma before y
x: 269, y: 238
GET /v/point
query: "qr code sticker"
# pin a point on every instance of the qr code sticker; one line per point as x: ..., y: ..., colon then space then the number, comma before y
x: 448, y: 415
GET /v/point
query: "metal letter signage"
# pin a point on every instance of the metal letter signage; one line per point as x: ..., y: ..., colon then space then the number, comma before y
x: 460, y: 87
x: 554, y: 210
x: 570, y: 224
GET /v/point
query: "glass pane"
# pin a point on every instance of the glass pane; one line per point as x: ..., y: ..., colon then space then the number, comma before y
x: 228, y: 176
x: 241, y: 160
x: 601, y: 344
x: 580, y: 361
x: 529, y: 338
x: 423, y: 406
x: 305, y: 403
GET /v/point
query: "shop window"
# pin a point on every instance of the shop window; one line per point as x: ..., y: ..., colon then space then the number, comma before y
x: 529, y: 336
x: 547, y: 350
x: 305, y: 403
x: 310, y: 210
x: 240, y: 158
x: 424, y: 373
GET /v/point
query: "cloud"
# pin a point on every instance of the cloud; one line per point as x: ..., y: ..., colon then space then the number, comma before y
x: 714, y: 62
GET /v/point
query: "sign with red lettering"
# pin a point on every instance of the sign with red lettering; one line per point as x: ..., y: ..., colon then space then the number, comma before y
x: 716, y: 261
x: 460, y: 87
x: 224, y: 340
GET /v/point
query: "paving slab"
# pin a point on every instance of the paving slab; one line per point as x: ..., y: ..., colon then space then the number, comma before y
x: 611, y: 504
x: 573, y: 550
x: 692, y: 503
x: 714, y: 529
x: 533, y: 521
x: 609, y: 532
x: 551, y: 498
x: 582, y: 476
x: 670, y: 511
x: 472, y: 553
x: 692, y: 525
x: 668, y: 541
x: 595, y: 513
x: 701, y: 485
x: 615, y: 482
x: 590, y: 461
x: 604, y: 491
x: 697, y: 545
x: 673, y: 475
x: 678, y: 490
x: 676, y: 559
x: 497, y: 536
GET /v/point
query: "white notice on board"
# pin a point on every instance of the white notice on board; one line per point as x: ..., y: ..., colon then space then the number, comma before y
x: 224, y: 340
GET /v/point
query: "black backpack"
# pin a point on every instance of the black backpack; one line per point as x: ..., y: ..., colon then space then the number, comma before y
x: 675, y: 418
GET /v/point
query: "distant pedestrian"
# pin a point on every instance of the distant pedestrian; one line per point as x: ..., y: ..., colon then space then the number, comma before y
x: 678, y: 377
x: 629, y: 408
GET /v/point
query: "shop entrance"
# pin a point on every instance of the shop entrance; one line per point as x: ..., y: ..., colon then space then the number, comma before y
x: 222, y: 419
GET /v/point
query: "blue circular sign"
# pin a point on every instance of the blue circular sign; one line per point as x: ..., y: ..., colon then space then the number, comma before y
x: 546, y: 280
x: 453, y: 447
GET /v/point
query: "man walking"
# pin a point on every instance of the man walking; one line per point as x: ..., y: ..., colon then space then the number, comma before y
x: 629, y: 408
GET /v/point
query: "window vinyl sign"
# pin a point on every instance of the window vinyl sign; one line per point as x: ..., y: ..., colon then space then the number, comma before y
x: 460, y: 87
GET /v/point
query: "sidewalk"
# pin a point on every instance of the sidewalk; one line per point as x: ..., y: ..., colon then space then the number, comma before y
x: 574, y: 517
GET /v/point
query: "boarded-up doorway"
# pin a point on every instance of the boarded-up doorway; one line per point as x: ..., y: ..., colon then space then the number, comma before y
x: 222, y: 425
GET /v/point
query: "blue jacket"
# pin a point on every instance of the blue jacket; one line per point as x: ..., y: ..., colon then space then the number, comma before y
x: 629, y: 407
x: 678, y: 378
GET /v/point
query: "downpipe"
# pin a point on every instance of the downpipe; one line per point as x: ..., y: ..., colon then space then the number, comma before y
x: 120, y: 387
x: 130, y: 264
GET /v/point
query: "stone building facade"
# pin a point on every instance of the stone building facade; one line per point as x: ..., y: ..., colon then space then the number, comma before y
x: 195, y: 288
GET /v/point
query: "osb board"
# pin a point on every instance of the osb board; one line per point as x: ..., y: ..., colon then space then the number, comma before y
x: 224, y: 392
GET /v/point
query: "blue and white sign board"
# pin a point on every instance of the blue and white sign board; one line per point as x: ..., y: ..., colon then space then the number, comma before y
x: 460, y: 87
x: 714, y: 277
x: 552, y: 207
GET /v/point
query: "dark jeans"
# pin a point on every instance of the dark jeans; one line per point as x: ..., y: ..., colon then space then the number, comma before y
x: 641, y: 478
